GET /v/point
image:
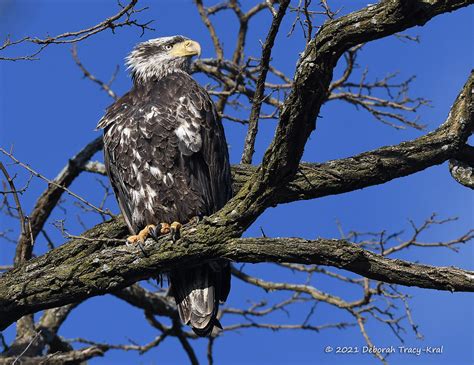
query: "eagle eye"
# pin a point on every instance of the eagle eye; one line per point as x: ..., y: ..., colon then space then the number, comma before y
x: 168, y: 47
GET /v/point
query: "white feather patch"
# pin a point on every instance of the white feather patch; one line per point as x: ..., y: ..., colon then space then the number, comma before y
x: 168, y: 180
x: 189, y: 138
x: 156, y: 172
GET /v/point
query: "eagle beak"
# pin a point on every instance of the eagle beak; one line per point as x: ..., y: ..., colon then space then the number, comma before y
x: 186, y: 48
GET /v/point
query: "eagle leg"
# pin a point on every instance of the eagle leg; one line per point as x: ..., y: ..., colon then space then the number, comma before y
x: 142, y: 235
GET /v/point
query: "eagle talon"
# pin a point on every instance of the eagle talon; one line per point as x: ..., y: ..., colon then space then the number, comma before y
x: 142, y: 249
x: 175, y: 230
x: 155, y: 233
x: 164, y: 228
x: 142, y: 235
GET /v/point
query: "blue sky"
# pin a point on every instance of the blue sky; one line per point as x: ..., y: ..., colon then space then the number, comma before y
x: 48, y: 112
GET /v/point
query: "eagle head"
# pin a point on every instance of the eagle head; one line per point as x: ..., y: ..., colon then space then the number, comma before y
x: 158, y: 57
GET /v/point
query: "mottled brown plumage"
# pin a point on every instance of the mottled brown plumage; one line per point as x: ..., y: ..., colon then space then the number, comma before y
x: 167, y: 159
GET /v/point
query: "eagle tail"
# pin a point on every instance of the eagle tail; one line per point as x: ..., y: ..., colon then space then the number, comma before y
x: 198, y: 292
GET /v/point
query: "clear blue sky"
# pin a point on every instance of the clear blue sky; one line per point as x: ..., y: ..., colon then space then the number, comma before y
x: 48, y: 113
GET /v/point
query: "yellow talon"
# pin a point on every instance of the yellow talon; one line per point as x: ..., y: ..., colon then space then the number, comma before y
x: 176, y: 225
x: 165, y: 228
x: 142, y: 235
x: 175, y: 231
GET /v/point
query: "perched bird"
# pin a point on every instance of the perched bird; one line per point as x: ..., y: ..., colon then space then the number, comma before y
x: 168, y: 163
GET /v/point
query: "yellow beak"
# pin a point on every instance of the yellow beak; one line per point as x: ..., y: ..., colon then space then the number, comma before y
x: 186, y: 48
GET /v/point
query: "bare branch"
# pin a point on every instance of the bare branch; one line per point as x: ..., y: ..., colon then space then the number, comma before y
x: 389, y: 110
x: 205, y: 18
x: 378, y: 166
x: 249, y: 145
x: 25, y: 334
x: 75, y: 356
x: 104, y: 86
x: 48, y: 200
x: 122, y: 19
x: 23, y: 253
x: 129, y: 347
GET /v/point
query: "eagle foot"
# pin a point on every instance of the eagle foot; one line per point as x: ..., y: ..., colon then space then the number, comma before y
x: 166, y: 228
x: 175, y: 229
x: 142, y: 235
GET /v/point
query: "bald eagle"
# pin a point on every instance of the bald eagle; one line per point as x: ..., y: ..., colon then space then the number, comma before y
x: 167, y: 160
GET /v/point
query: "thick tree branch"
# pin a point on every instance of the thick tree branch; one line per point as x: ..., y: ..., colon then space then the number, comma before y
x: 86, y: 267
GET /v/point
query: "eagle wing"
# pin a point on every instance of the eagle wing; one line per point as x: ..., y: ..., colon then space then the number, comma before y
x: 203, y: 148
x: 198, y: 290
x: 113, y: 122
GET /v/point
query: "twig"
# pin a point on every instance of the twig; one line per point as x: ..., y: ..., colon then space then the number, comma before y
x: 73, y: 37
x: 103, y: 85
x: 249, y: 145
x: 210, y: 350
x: 27, y: 347
x: 210, y: 27
x: 24, y: 249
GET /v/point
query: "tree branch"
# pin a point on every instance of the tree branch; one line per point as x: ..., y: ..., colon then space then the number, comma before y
x: 249, y: 145
x: 380, y: 165
x: 310, y: 91
x: 71, y: 357
x: 104, y: 86
x: 85, y: 267
x: 207, y: 237
x: 204, y: 13
x: 50, y: 197
x: 112, y: 23
x: 153, y: 303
